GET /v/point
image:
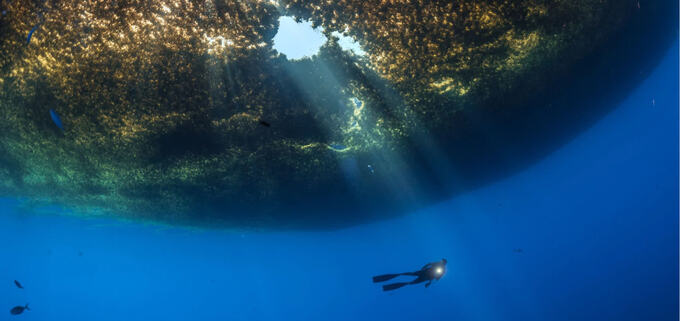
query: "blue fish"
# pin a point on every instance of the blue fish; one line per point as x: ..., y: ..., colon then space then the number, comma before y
x: 337, y: 146
x: 30, y: 34
x: 370, y: 169
x: 56, y: 119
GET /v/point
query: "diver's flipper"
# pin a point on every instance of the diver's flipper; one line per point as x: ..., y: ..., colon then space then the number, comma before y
x: 393, y: 286
x: 383, y: 278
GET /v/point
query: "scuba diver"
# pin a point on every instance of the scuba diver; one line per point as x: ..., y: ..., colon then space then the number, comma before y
x: 429, y: 272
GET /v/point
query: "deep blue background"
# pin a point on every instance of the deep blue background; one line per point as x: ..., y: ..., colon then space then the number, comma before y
x: 597, y: 222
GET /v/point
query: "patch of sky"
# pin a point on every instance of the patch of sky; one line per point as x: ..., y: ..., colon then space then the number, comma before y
x: 357, y: 105
x: 298, y: 40
x: 357, y: 102
x: 348, y: 43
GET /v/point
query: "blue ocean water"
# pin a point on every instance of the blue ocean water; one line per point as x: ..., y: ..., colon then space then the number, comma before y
x: 596, y: 223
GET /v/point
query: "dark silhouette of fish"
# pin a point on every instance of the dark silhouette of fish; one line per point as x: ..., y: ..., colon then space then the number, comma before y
x: 18, y: 284
x: 30, y: 33
x: 19, y: 309
x: 518, y: 250
x: 56, y: 119
x: 264, y: 123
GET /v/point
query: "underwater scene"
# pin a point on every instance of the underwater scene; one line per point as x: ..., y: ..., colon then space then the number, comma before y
x: 339, y: 160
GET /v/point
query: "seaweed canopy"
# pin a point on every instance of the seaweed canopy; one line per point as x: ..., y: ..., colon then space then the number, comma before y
x: 163, y: 101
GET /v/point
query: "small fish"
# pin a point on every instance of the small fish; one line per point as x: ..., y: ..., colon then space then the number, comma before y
x: 80, y: 253
x: 264, y: 123
x: 56, y: 119
x: 19, y: 309
x: 518, y: 250
x: 370, y: 169
x: 30, y: 33
x: 337, y: 146
x: 653, y: 102
x: 18, y: 284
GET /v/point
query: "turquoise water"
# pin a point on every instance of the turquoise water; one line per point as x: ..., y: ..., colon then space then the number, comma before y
x: 596, y: 223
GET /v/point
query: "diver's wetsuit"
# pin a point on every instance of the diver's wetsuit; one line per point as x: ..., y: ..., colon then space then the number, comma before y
x: 429, y: 272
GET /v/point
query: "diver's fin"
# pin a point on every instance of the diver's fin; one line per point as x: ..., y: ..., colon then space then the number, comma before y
x: 385, y: 277
x: 393, y: 286
x: 26, y: 307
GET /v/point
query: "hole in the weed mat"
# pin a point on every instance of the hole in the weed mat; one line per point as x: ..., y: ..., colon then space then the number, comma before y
x: 297, y: 40
x: 347, y: 43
